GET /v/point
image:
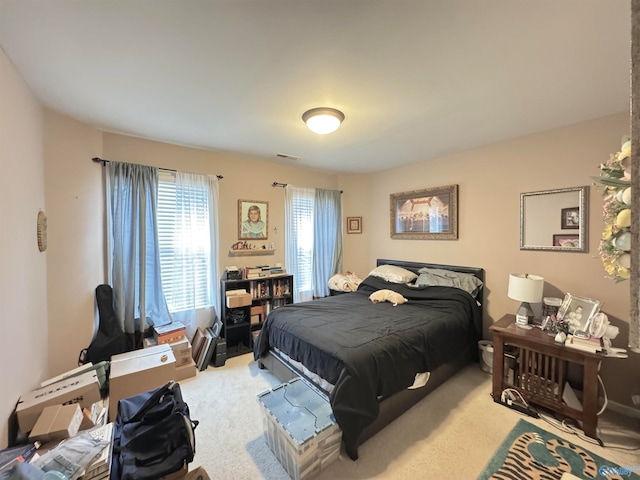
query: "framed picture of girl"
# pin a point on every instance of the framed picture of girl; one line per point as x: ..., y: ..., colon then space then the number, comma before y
x: 253, y: 220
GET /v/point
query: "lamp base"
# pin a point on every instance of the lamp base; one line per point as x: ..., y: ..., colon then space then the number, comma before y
x: 524, y: 316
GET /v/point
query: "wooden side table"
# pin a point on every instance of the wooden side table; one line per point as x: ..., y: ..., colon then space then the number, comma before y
x: 540, y: 375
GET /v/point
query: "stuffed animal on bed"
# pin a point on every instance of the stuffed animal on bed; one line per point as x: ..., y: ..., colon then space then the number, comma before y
x: 387, y: 296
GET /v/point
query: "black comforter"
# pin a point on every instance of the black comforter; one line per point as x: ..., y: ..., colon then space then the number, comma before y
x: 369, y: 350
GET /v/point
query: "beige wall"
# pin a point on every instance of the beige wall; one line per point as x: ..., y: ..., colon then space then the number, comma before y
x: 23, y: 292
x: 75, y: 207
x: 490, y: 181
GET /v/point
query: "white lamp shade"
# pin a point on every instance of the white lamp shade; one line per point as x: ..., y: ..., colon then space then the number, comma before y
x: 525, y: 287
x: 323, y: 120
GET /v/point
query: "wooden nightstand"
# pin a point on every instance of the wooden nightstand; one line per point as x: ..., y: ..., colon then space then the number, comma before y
x: 541, y: 371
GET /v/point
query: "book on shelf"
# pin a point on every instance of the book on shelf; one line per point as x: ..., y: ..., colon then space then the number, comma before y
x: 591, y: 344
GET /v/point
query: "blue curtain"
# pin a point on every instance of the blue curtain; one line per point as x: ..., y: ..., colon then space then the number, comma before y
x: 133, y: 247
x: 327, y: 239
x: 313, y: 233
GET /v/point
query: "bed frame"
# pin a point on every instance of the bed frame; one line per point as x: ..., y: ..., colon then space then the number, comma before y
x: 395, y: 405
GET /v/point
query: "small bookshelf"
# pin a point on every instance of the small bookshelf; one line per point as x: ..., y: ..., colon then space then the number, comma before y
x: 240, y: 323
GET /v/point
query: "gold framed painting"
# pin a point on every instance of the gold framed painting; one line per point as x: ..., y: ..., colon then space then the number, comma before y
x: 427, y: 214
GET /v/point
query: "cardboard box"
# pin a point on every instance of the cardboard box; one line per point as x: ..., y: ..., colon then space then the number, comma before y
x: 186, y: 371
x: 57, y: 422
x: 100, y: 368
x: 239, y: 300
x: 198, y: 474
x: 179, y: 475
x: 181, y: 349
x: 182, y: 352
x: 83, y: 389
x: 139, y: 371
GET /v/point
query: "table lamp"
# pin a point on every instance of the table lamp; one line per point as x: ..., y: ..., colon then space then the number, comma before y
x: 527, y: 289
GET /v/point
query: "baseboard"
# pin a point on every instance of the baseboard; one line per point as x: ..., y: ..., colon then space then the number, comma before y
x: 624, y: 409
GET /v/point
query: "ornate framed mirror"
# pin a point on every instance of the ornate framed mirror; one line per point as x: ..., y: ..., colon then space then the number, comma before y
x: 555, y: 220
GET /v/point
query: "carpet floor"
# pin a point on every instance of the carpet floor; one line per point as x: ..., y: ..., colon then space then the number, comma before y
x: 452, y: 433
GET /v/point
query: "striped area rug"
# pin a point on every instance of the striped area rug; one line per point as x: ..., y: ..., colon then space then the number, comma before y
x: 529, y: 452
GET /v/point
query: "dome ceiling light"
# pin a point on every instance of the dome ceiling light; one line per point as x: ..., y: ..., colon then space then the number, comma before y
x: 323, y: 120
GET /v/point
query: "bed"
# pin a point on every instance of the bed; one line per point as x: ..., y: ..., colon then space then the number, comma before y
x: 366, y: 357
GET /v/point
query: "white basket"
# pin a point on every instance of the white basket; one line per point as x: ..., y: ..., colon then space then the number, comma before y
x: 485, y: 350
x: 299, y: 428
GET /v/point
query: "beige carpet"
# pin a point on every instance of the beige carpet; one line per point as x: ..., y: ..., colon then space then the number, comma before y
x: 450, y: 434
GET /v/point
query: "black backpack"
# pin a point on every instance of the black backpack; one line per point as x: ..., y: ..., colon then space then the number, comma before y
x: 110, y: 338
x: 153, y: 435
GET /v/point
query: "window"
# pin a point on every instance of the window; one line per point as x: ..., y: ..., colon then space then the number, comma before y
x: 302, y: 230
x: 185, y: 241
x: 313, y: 239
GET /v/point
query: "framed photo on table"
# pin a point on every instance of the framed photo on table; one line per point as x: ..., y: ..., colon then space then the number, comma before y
x: 253, y: 220
x: 427, y: 214
x: 577, y: 311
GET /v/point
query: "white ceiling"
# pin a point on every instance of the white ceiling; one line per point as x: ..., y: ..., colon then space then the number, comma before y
x: 415, y: 79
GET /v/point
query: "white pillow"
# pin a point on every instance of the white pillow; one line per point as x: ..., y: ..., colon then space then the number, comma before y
x: 393, y: 274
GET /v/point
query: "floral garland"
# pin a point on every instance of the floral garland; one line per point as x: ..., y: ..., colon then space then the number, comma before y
x: 615, y: 244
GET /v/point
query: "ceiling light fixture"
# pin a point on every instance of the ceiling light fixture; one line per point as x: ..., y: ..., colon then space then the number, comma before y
x: 323, y: 120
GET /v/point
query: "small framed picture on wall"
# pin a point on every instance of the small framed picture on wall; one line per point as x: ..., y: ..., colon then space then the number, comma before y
x: 354, y: 224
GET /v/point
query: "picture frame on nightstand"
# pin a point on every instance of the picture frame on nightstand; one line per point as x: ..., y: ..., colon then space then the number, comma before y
x: 577, y: 311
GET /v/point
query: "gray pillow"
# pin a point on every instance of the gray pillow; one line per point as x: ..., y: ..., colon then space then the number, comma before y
x: 448, y: 278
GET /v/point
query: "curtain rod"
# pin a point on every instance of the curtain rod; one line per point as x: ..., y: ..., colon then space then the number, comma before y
x: 278, y: 184
x: 104, y: 162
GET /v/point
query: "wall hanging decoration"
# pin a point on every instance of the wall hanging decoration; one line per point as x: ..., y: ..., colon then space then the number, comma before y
x: 41, y: 231
x: 354, y: 224
x: 253, y: 219
x: 431, y: 214
x: 615, y: 244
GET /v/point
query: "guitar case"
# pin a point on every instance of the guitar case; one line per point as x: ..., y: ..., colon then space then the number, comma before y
x: 110, y: 338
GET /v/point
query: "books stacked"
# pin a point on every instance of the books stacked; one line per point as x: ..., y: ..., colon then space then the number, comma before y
x: 101, y: 467
x: 276, y: 270
x: 252, y: 272
x: 263, y: 270
x: 169, y: 333
x: 590, y: 344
